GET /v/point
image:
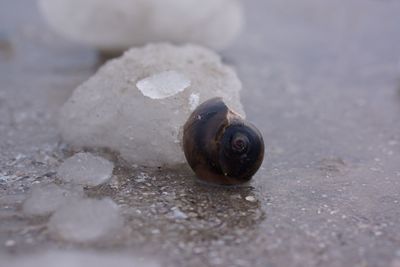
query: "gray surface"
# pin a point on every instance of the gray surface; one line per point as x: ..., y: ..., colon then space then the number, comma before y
x: 321, y: 81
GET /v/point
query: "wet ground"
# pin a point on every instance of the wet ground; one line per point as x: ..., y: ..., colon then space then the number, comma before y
x: 321, y: 80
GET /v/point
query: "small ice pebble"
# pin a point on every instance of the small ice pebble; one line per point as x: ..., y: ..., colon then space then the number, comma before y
x: 86, y: 169
x: 44, y: 200
x: 86, y: 220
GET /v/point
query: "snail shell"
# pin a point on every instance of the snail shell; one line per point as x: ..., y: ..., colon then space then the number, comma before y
x: 220, y: 146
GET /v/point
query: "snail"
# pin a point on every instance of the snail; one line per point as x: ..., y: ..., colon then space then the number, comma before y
x: 220, y: 146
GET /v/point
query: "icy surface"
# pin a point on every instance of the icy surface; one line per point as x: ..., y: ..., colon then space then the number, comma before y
x: 76, y: 258
x: 85, y: 169
x: 120, y: 24
x: 110, y: 111
x: 43, y: 200
x: 86, y: 220
x: 320, y: 81
x: 163, y: 84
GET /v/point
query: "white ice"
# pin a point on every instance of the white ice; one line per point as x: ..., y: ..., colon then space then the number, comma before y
x: 120, y: 24
x: 110, y: 111
x: 85, y: 169
x: 44, y: 200
x: 86, y: 220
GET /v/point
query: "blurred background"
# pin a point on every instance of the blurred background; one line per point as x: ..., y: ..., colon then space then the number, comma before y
x: 321, y: 79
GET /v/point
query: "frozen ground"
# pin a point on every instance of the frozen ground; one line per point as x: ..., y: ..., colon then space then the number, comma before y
x: 321, y: 80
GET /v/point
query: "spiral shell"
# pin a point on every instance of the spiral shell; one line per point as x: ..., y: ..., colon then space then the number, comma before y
x: 220, y: 146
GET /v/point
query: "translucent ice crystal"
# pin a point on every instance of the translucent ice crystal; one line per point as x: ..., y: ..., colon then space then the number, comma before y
x: 46, y: 199
x: 163, y: 84
x: 109, y: 110
x: 85, y: 169
x: 120, y: 24
x: 86, y: 220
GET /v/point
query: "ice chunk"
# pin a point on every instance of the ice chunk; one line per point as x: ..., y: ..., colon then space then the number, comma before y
x: 45, y: 199
x: 86, y: 169
x: 86, y: 220
x: 177, y: 214
x: 163, y: 84
x: 110, y: 111
x: 251, y: 198
x: 76, y: 258
x: 120, y: 24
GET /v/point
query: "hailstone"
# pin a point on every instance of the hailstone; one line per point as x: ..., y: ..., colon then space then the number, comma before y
x: 137, y: 104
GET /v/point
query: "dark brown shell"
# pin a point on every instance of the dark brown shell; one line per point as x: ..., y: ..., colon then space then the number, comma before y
x: 220, y: 146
